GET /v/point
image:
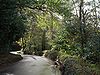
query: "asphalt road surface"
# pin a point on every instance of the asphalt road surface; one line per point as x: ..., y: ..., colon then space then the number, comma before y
x: 31, y: 65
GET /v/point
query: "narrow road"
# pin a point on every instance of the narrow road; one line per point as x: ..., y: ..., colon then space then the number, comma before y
x: 31, y: 65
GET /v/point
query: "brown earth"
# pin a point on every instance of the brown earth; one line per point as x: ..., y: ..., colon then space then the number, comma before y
x: 7, y: 59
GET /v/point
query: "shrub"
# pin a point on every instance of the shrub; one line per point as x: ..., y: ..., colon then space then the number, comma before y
x: 51, y: 54
x: 77, y: 66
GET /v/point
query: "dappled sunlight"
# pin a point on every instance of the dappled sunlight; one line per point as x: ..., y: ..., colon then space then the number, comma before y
x: 36, y: 35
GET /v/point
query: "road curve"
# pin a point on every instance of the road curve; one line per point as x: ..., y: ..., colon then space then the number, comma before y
x: 31, y: 65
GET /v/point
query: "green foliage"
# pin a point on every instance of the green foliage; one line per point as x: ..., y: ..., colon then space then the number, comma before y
x: 52, y: 54
x: 41, y: 28
x: 77, y: 66
x: 51, y: 25
x: 11, y: 24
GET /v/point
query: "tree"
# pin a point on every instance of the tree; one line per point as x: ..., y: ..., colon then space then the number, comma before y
x: 11, y: 25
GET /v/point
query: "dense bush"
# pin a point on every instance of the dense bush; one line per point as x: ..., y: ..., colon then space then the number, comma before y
x: 73, y: 67
x: 94, y: 57
x: 51, y: 54
x: 12, y: 25
x: 39, y: 53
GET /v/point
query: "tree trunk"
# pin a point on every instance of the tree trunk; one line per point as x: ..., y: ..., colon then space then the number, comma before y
x: 43, y: 40
x: 81, y: 26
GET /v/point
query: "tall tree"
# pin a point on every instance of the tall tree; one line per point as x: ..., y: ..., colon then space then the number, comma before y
x: 11, y: 24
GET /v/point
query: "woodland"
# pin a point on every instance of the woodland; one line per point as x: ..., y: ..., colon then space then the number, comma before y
x: 68, y: 29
